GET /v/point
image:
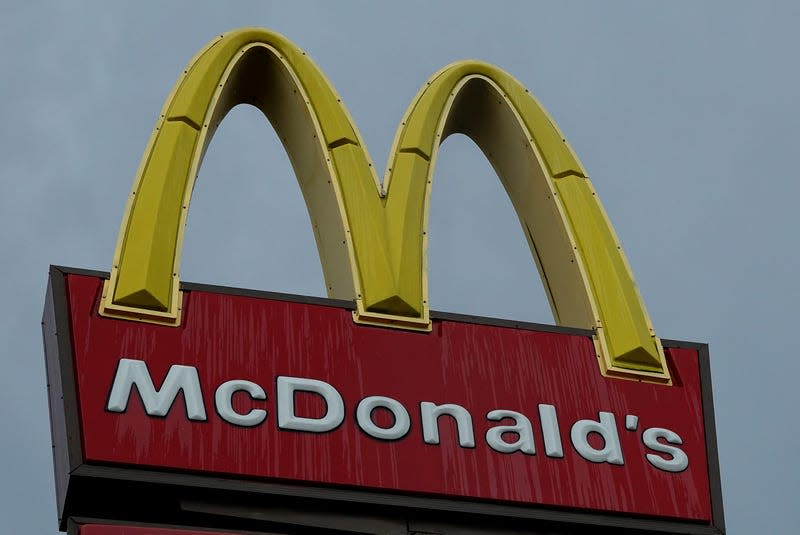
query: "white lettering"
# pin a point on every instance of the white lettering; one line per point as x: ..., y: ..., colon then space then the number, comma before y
x: 402, y: 421
x: 157, y: 402
x: 430, y: 423
x: 522, y: 427
x: 550, y: 431
x: 224, y: 402
x: 679, y: 461
x: 513, y: 432
x: 288, y: 419
x: 607, y: 428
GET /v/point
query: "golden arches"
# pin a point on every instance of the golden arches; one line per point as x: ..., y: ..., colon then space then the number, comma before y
x: 373, y: 241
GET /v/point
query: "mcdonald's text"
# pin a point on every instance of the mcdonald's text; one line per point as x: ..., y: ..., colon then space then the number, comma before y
x: 515, y: 432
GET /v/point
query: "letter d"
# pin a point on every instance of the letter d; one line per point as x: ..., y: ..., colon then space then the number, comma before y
x: 287, y: 419
x: 607, y: 428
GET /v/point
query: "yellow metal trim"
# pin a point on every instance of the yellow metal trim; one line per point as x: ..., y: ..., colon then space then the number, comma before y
x: 204, y: 93
x: 140, y: 314
x: 372, y: 239
x: 408, y: 323
x: 585, y: 273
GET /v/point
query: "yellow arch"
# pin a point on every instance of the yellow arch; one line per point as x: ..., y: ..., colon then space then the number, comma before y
x: 372, y: 240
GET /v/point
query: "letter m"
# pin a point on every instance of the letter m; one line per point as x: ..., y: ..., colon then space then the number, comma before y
x: 157, y: 402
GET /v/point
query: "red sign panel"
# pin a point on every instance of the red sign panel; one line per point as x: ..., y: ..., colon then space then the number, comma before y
x: 283, y: 391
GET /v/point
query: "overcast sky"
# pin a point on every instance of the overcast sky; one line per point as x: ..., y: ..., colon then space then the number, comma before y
x: 685, y: 115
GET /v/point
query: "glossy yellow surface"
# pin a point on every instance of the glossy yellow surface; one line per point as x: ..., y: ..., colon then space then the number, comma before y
x: 372, y: 239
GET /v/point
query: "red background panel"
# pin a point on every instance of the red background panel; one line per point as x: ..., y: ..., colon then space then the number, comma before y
x: 480, y: 367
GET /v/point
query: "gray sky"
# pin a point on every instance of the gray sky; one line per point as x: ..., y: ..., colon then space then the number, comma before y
x: 685, y: 115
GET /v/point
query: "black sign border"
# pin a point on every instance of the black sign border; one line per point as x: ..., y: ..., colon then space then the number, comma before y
x: 161, y: 497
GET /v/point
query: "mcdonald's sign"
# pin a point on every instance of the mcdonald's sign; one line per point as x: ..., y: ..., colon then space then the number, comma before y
x: 165, y: 393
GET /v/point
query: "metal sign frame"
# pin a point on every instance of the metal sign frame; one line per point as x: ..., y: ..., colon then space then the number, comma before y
x: 164, y: 496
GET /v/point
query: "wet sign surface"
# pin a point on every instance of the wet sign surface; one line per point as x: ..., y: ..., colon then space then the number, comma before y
x: 278, y: 390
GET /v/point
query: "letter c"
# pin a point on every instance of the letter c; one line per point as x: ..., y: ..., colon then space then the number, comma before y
x: 223, y: 399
